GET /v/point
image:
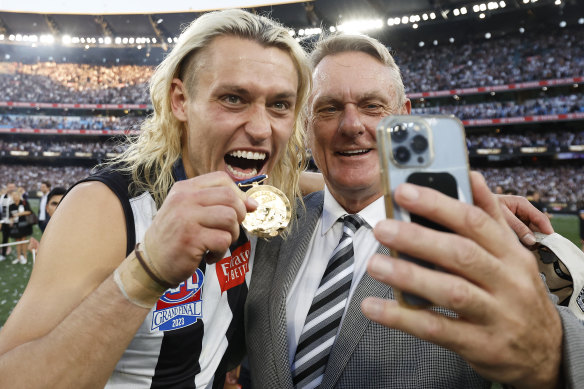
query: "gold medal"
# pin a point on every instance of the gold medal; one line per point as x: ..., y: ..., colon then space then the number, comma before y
x: 272, y: 214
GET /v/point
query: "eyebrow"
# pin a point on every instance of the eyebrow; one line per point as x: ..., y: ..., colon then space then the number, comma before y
x: 360, y: 98
x: 246, y: 93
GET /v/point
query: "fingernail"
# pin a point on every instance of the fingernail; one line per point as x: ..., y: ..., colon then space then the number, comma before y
x: 371, y: 308
x: 409, y: 192
x: 386, y: 229
x: 528, y: 239
x: 379, y: 266
x: 253, y: 202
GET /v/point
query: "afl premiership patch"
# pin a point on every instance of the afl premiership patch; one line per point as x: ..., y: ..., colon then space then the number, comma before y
x: 231, y: 270
x: 179, y: 307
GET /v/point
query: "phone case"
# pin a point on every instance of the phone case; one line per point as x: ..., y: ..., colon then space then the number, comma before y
x: 423, y: 150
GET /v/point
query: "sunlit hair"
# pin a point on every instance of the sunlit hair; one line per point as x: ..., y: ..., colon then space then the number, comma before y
x: 341, y: 43
x: 151, y: 156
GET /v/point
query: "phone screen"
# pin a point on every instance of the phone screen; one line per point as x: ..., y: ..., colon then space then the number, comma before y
x: 442, y: 182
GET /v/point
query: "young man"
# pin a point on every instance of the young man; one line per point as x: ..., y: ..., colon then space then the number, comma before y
x: 305, y: 323
x: 227, y: 106
x: 43, y: 218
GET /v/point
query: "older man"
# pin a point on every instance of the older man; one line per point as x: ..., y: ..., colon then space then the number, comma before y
x: 304, y: 323
x: 227, y: 102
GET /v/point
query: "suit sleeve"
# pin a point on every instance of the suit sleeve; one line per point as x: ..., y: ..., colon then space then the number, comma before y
x: 573, y: 349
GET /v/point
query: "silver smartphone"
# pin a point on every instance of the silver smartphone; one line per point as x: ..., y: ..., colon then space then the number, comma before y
x: 424, y: 150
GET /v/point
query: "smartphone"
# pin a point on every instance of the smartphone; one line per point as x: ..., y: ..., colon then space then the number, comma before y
x: 424, y: 150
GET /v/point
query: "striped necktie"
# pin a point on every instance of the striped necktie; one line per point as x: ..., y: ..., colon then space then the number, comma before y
x: 324, y: 317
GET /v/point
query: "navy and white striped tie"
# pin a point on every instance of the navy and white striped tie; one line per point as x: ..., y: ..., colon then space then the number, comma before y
x: 325, y: 314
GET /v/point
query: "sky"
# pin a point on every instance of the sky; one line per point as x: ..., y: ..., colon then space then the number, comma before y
x: 98, y: 7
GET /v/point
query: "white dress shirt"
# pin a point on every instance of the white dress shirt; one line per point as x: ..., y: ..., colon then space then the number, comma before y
x: 325, y: 238
x: 43, y: 207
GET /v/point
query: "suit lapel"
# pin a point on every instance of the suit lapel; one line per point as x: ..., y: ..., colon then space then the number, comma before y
x: 290, y: 257
x: 353, y: 326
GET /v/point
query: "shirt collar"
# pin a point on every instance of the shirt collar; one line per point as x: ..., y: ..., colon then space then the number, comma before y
x: 332, y: 211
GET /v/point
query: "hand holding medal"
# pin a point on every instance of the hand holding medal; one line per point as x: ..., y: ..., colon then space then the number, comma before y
x: 273, y: 212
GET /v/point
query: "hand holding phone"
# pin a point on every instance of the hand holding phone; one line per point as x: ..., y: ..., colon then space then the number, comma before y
x: 428, y: 151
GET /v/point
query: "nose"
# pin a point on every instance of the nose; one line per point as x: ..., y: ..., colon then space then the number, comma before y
x: 258, y: 126
x: 351, y: 124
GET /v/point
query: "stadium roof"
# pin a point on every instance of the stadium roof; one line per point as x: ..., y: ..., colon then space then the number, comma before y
x: 395, y: 22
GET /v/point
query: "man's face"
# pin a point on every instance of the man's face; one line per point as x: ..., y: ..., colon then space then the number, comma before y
x: 241, y: 114
x: 52, y: 204
x: 352, y: 93
x: 44, y: 188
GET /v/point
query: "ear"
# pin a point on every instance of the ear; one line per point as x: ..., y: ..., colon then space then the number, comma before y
x: 178, y: 99
x: 407, y: 107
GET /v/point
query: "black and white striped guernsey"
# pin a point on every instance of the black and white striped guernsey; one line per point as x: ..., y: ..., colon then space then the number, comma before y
x: 195, y: 332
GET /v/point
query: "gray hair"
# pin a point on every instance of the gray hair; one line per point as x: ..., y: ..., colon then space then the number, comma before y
x: 341, y: 43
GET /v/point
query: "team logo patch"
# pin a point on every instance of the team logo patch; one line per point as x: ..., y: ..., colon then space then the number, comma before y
x: 231, y: 270
x: 179, y: 307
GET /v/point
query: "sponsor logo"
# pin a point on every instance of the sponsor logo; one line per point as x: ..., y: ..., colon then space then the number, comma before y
x: 179, y: 307
x: 231, y: 270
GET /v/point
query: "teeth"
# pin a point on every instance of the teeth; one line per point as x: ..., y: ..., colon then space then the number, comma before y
x: 248, y: 155
x: 241, y: 175
x: 355, y: 151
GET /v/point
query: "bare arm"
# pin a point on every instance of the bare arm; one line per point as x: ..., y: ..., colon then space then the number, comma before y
x: 73, y: 318
x: 311, y: 182
x: 53, y: 321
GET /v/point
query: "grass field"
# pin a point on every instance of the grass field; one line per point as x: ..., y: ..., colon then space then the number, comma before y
x: 13, y: 278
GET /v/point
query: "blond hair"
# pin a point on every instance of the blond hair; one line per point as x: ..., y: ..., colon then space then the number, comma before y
x: 151, y: 156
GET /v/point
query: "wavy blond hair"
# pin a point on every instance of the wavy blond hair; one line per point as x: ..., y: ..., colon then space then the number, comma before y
x: 150, y: 157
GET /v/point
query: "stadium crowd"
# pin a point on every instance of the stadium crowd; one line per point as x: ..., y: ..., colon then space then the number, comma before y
x: 113, y: 123
x: 74, y: 83
x: 528, y: 138
x: 61, y: 146
x: 533, y: 56
x: 490, y: 110
x: 29, y: 176
x: 556, y: 184
x: 529, y: 57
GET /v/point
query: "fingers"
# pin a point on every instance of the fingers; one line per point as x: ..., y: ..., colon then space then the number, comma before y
x: 441, y: 288
x: 424, y: 324
x: 524, y: 218
x: 455, y: 254
x: 523, y: 232
x: 485, y: 226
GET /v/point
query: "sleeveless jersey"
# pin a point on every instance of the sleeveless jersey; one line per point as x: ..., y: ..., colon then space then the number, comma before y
x: 194, y: 334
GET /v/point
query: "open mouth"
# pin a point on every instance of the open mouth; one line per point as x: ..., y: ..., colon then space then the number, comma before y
x: 353, y: 153
x: 243, y: 164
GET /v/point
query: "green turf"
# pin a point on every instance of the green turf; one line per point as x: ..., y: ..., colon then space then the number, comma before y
x: 568, y: 226
x: 13, y: 278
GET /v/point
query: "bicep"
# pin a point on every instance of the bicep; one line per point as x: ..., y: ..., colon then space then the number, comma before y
x: 84, y: 243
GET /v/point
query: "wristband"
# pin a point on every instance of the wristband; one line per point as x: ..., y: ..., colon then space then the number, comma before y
x: 151, y: 269
x: 135, y: 284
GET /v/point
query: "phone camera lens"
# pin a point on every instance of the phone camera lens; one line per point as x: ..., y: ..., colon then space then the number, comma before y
x: 419, y: 144
x: 402, y: 154
x: 399, y: 133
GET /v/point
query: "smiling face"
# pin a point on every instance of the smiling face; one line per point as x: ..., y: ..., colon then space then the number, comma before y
x: 352, y: 92
x: 240, y: 114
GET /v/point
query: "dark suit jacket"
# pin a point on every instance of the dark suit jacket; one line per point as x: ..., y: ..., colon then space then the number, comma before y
x: 365, y: 354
